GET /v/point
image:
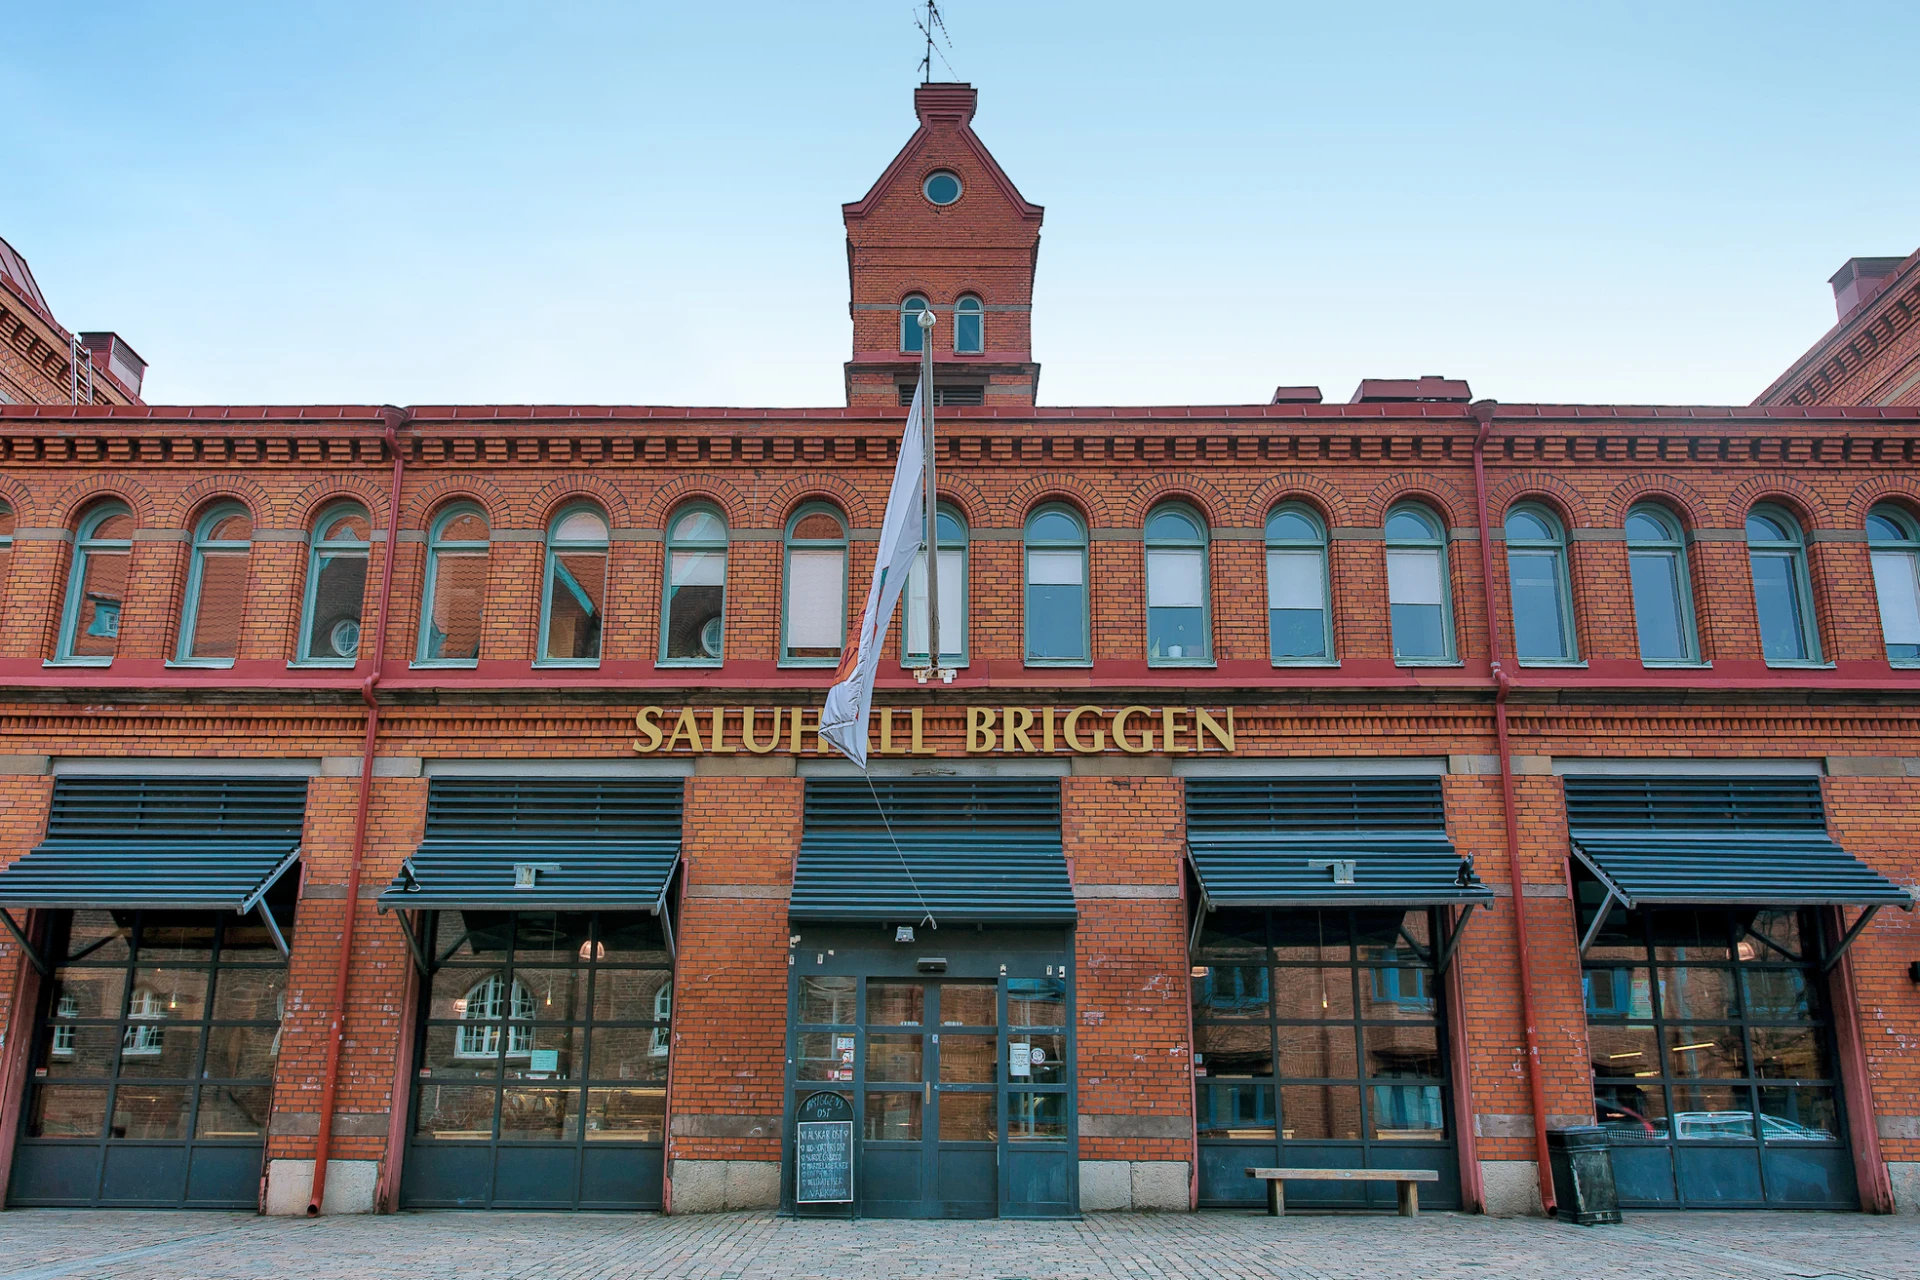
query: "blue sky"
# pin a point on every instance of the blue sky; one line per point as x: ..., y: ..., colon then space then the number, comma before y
x: 629, y: 203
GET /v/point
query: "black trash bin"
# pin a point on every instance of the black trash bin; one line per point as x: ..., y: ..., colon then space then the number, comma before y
x: 1583, y: 1175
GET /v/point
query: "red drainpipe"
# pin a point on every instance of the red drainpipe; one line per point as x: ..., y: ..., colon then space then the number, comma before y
x: 1483, y: 412
x: 336, y: 1029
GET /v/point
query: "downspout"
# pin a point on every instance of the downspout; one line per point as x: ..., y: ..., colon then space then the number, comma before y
x: 1483, y: 412
x: 336, y: 1029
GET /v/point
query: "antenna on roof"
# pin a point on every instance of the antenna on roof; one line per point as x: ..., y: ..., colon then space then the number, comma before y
x: 928, y: 24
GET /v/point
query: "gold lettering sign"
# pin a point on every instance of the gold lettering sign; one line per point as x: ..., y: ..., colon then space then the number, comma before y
x: 1024, y: 731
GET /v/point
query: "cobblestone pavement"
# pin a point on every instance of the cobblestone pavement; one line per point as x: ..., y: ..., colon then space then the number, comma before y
x: 52, y: 1244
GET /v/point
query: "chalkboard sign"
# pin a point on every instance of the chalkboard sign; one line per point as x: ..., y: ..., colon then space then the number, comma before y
x: 823, y: 1150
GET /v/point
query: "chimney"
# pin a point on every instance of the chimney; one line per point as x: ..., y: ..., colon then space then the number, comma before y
x: 948, y: 103
x: 1431, y: 388
x: 111, y: 353
x: 1296, y: 395
x: 1858, y: 281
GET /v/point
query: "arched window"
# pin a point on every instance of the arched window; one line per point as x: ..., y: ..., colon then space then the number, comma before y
x: 1537, y: 577
x: 814, y: 622
x: 969, y: 326
x: 952, y: 537
x: 660, y: 1042
x: 695, y: 607
x: 1662, y: 590
x: 484, y: 1007
x: 1177, y: 587
x: 1782, y: 592
x: 911, y: 334
x: 96, y: 586
x: 6, y: 542
x: 216, y: 586
x: 573, y: 596
x: 1056, y: 576
x: 148, y: 1037
x: 1299, y: 608
x: 454, y: 601
x: 336, y: 586
x: 1894, y: 541
x: 1418, y: 594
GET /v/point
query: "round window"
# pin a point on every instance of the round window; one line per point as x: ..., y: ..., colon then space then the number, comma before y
x: 942, y: 187
x: 345, y: 638
x: 710, y: 635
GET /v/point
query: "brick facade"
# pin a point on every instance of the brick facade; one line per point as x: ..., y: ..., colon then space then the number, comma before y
x: 1857, y: 717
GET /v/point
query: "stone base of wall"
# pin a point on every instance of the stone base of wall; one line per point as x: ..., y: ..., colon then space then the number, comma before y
x: 1512, y: 1188
x: 1118, y: 1185
x: 711, y: 1186
x: 350, y: 1186
x: 1905, y: 1176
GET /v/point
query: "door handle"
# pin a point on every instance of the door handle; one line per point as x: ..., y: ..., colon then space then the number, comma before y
x: 926, y: 1094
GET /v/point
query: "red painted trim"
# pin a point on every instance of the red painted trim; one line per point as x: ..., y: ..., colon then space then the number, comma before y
x: 337, y: 1027
x: 22, y: 1016
x: 1536, y: 1085
x: 1856, y: 1085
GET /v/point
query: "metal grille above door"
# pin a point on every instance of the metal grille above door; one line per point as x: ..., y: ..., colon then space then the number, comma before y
x: 966, y: 851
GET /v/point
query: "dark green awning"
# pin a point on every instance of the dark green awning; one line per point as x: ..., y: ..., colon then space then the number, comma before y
x: 1325, y: 842
x: 186, y: 844
x: 543, y: 844
x: 1755, y: 841
x: 966, y: 851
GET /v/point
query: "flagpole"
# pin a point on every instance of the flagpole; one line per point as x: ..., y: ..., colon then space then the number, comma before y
x: 931, y: 507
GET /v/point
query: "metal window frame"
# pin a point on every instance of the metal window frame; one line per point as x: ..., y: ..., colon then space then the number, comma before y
x: 1149, y: 544
x: 978, y: 313
x: 916, y: 658
x: 335, y: 549
x: 1436, y: 542
x: 183, y: 654
x: 1795, y: 549
x: 1909, y: 547
x: 435, y: 546
x: 1028, y: 545
x: 667, y: 588
x: 1271, y: 543
x: 85, y: 546
x: 788, y: 544
x: 551, y: 571
x: 1556, y: 547
x: 1674, y: 545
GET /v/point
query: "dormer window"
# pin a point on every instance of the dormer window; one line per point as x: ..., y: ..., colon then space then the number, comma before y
x: 942, y: 187
x: 969, y: 336
x: 911, y: 334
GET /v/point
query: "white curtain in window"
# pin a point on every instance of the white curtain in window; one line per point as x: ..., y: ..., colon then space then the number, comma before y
x: 1055, y: 569
x: 1899, y: 592
x: 953, y: 582
x: 816, y: 598
x: 1175, y: 579
x: 1413, y: 577
x: 1294, y: 580
x: 701, y: 568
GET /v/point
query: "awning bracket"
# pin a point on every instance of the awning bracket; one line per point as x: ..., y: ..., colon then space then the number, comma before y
x: 1846, y: 939
x: 1453, y: 937
x: 19, y: 935
x: 662, y: 909
x: 405, y: 920
x: 1201, y: 906
x: 253, y: 900
x: 1764, y: 940
x: 1599, y: 918
x: 273, y: 930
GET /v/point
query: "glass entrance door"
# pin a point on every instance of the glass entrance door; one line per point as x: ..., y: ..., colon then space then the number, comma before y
x: 960, y: 1087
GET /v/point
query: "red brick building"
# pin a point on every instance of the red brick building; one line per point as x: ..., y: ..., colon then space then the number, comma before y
x: 43, y: 363
x: 438, y: 790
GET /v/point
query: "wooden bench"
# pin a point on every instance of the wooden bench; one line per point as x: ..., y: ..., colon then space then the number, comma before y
x: 1408, y: 1180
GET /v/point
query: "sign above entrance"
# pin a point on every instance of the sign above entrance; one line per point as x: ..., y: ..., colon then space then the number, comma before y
x: 1024, y: 731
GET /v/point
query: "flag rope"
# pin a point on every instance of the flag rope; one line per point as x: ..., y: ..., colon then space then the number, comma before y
x: 898, y: 852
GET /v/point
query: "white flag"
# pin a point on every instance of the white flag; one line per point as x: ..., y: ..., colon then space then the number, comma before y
x: 843, y: 722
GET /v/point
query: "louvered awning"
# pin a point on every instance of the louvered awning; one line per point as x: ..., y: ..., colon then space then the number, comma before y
x: 185, y: 844
x: 966, y: 851
x: 543, y: 844
x: 1717, y: 841
x: 1325, y: 842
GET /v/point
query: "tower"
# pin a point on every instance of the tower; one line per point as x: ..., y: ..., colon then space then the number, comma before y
x: 943, y: 227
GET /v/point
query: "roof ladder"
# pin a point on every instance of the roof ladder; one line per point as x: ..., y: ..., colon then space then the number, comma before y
x: 79, y: 371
